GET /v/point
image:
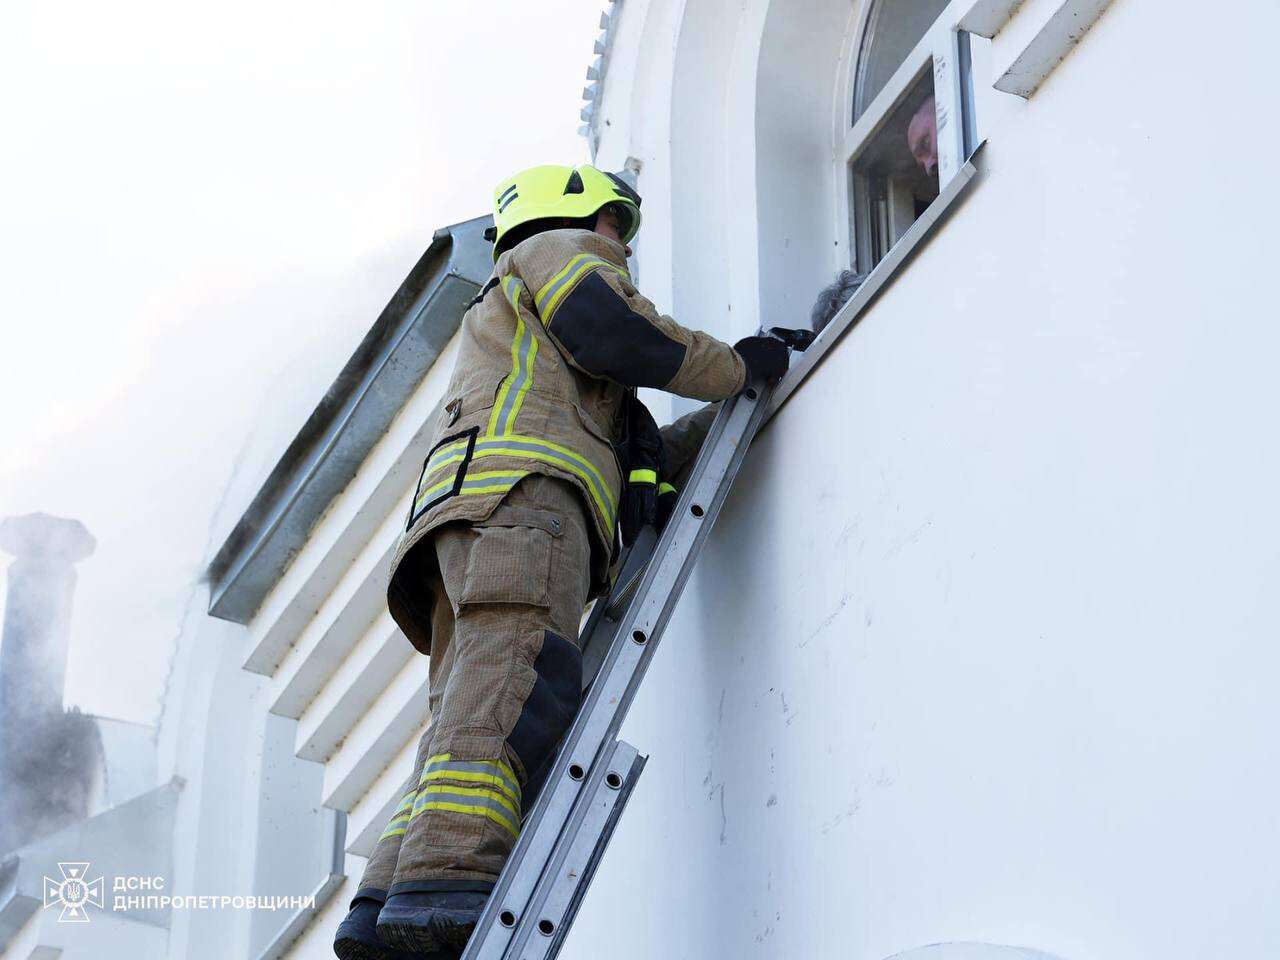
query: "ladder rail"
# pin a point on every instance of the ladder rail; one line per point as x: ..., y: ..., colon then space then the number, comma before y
x: 565, y: 878
x: 579, y: 889
x: 528, y: 880
x: 602, y: 624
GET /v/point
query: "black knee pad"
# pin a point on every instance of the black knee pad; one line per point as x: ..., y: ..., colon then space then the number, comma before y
x: 549, y: 710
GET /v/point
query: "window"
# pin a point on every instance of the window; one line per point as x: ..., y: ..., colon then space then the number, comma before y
x: 908, y: 113
x: 891, y: 31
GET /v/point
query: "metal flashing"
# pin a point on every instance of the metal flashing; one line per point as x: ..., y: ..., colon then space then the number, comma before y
x: 353, y: 415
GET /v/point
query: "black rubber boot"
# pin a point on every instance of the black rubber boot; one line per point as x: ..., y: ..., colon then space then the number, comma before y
x: 357, y: 938
x: 430, y: 921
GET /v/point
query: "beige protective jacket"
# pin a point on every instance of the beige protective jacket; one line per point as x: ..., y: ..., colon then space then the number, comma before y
x: 549, y: 350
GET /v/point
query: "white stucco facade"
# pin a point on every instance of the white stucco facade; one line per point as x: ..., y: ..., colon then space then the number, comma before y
x: 979, y: 653
x: 976, y: 651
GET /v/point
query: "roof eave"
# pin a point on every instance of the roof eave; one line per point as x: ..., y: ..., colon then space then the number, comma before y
x: 389, y: 364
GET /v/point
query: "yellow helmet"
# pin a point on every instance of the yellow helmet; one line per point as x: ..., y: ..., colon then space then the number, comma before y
x: 552, y: 191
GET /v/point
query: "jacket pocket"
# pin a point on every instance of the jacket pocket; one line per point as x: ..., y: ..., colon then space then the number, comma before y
x: 510, y: 560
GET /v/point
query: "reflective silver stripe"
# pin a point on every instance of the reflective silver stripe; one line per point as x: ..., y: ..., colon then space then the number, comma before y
x: 585, y: 468
x: 494, y: 773
x: 404, y: 813
x: 548, y: 296
x: 473, y: 806
x: 442, y: 457
x: 401, y: 817
x: 524, y: 348
x: 397, y: 826
x: 470, y: 799
x: 482, y: 801
x: 493, y: 481
x: 480, y: 796
x: 515, y: 445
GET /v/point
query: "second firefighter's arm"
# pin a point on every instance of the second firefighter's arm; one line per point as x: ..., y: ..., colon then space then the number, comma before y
x: 682, y: 440
x: 605, y: 328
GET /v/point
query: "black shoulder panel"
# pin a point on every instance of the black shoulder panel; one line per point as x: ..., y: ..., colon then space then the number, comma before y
x: 609, y: 339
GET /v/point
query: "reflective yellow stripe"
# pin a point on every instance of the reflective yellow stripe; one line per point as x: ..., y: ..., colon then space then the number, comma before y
x: 644, y: 476
x: 529, y: 355
x: 471, y: 777
x: 491, y: 481
x: 397, y: 826
x: 492, y: 772
x: 495, y: 802
x: 475, y: 811
x: 600, y: 493
x: 555, y: 289
x: 449, y: 453
x: 665, y: 488
x: 524, y: 348
x: 497, y: 796
x: 440, y: 760
x: 554, y: 284
x: 400, y: 818
x: 532, y: 448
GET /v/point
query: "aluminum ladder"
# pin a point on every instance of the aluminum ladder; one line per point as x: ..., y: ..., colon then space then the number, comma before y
x: 564, y: 836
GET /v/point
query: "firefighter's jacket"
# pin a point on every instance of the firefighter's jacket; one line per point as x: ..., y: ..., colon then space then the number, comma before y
x: 681, y: 442
x: 549, y: 351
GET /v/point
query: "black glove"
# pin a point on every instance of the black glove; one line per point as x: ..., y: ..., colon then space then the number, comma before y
x: 765, y: 357
x: 642, y: 459
x: 639, y: 508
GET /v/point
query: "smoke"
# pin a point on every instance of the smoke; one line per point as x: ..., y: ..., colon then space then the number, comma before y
x: 50, y: 759
x: 253, y: 200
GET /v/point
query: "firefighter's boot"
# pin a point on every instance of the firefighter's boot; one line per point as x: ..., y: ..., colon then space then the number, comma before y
x: 418, y: 921
x: 357, y: 938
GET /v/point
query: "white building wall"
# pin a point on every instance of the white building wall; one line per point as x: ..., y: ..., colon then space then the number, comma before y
x: 981, y: 647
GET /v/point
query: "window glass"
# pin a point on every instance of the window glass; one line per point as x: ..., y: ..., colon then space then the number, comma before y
x: 893, y: 28
x: 895, y: 174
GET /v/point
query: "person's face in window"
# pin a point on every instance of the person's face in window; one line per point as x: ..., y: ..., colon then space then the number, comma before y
x: 922, y: 137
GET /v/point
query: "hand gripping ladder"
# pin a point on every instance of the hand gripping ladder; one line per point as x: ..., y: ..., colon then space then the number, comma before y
x: 563, y: 837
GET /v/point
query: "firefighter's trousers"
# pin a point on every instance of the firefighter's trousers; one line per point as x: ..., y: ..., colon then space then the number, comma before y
x: 505, y: 682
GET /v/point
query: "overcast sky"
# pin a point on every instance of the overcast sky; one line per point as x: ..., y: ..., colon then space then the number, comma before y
x: 204, y: 208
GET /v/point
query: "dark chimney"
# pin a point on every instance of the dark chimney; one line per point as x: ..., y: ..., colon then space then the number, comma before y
x: 49, y: 759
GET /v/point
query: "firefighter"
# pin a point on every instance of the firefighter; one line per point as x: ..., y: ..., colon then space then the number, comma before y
x: 542, y: 450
